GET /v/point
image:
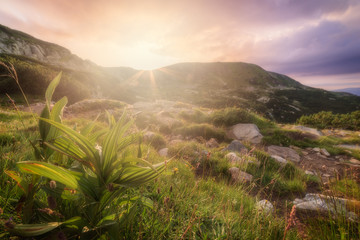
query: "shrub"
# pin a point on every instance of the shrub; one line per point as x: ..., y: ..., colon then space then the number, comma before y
x: 204, y: 130
x: 323, y: 120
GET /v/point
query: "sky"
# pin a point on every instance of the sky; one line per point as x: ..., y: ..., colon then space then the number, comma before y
x: 317, y: 42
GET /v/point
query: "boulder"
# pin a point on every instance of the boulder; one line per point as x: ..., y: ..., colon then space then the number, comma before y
x: 212, y: 143
x: 246, y: 132
x: 312, y: 131
x: 239, y: 176
x: 232, y: 157
x: 319, y: 203
x: 284, y: 152
x: 163, y: 152
x: 316, y: 149
x: 355, y: 161
x: 324, y: 152
x: 236, y: 146
x: 279, y: 159
x: 265, y: 206
x: 148, y: 136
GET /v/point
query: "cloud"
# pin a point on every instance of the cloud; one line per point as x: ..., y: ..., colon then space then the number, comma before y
x: 308, y: 37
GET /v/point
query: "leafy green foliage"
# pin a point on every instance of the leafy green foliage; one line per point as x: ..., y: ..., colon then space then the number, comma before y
x: 204, y: 130
x: 100, y: 174
x: 329, y: 120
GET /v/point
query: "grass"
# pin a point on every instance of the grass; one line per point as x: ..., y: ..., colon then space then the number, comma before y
x: 194, y: 198
x: 204, y: 130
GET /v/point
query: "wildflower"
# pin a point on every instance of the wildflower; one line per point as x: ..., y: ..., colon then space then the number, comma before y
x: 166, y: 200
x: 52, y: 184
x: 175, y: 170
x: 291, y: 221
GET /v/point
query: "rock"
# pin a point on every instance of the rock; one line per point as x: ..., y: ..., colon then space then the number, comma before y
x: 236, y: 146
x: 246, y: 132
x: 148, y: 136
x: 348, y: 146
x: 212, y: 143
x: 279, y: 159
x: 265, y: 206
x: 326, y: 204
x: 312, y: 131
x: 239, y: 176
x: 308, y: 172
x: 175, y: 141
x: 163, y: 152
x: 324, y: 152
x: 316, y: 149
x: 355, y: 161
x: 232, y: 157
x: 284, y: 152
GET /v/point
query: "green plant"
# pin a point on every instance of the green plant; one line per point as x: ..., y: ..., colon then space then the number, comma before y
x: 96, y: 186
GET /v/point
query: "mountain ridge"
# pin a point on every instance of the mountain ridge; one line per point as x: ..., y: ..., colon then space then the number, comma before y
x: 211, y: 84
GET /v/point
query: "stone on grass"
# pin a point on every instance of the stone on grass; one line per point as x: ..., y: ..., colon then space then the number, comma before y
x: 355, y: 161
x: 232, y: 157
x: 312, y: 131
x: 308, y: 172
x: 279, y: 159
x: 324, y: 152
x: 148, y: 136
x: 212, y: 143
x: 284, y: 152
x: 238, y: 176
x: 236, y: 146
x: 265, y: 206
x: 316, y: 149
x: 246, y: 132
x: 318, y: 203
x: 163, y: 152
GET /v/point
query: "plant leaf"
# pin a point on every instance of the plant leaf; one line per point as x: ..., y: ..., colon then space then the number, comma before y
x: 50, y: 171
x: 51, y: 88
x: 32, y: 230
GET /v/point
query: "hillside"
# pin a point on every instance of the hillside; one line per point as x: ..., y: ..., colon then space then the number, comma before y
x: 355, y: 91
x: 215, y: 85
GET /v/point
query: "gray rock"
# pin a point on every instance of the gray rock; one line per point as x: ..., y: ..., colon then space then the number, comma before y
x: 324, y: 152
x: 284, y: 152
x: 308, y: 172
x: 148, y: 136
x: 212, y: 143
x: 239, y: 176
x: 349, y: 146
x: 236, y: 146
x: 312, y: 131
x: 232, y: 157
x: 163, y: 152
x: 316, y: 149
x: 265, y: 206
x: 279, y: 159
x: 355, y: 161
x: 325, y: 204
x: 246, y: 132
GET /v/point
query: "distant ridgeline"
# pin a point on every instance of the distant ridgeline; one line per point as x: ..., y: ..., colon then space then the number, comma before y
x: 216, y: 85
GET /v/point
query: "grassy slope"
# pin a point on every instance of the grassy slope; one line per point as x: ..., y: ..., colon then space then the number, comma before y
x: 193, y: 198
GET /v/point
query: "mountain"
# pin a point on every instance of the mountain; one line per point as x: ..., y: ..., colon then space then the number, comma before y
x: 216, y: 84
x: 355, y: 91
